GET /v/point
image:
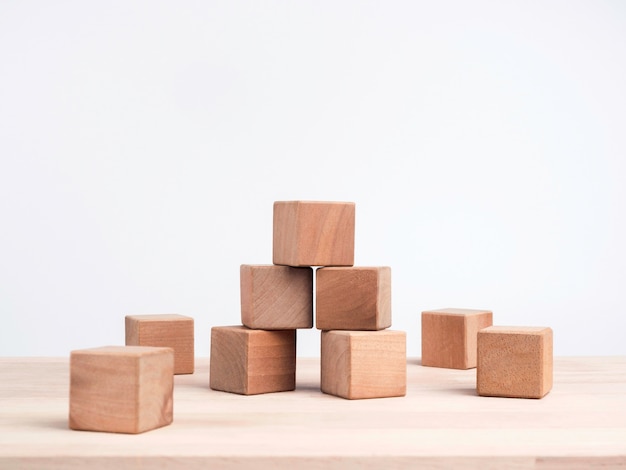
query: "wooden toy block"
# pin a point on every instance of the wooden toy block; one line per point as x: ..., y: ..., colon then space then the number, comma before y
x: 124, y: 389
x: 449, y: 336
x: 164, y: 330
x: 276, y: 297
x: 249, y: 362
x: 364, y: 364
x: 514, y: 362
x: 353, y: 298
x: 313, y: 233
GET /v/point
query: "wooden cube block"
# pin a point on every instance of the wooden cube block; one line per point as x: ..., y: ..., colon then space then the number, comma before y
x: 449, y: 336
x: 364, y: 364
x: 276, y: 297
x: 514, y: 362
x: 125, y: 389
x: 354, y: 298
x: 311, y: 233
x: 164, y: 330
x: 249, y: 362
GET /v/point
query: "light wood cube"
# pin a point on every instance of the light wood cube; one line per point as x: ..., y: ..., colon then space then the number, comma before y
x: 449, y: 336
x: 276, y: 297
x: 514, y: 362
x: 123, y: 389
x: 364, y: 364
x: 313, y: 233
x: 249, y: 362
x: 164, y: 330
x: 353, y: 298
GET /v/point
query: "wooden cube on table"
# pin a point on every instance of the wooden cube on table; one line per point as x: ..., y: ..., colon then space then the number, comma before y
x: 514, y: 362
x: 123, y: 389
x: 364, y: 364
x: 276, y: 297
x: 249, y: 362
x: 313, y: 233
x: 353, y: 298
x: 449, y: 336
x: 164, y: 330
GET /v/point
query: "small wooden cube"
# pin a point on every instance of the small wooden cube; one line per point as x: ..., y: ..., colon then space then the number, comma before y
x: 276, y: 297
x: 164, y: 330
x: 313, y: 233
x: 514, y: 362
x: 364, y: 364
x: 449, y: 336
x: 353, y: 298
x: 249, y: 362
x: 124, y: 389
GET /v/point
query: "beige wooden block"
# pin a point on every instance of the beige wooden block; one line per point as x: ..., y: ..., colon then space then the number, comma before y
x: 353, y: 298
x: 276, y: 297
x: 313, y: 233
x: 164, y: 330
x: 449, y: 336
x: 124, y: 389
x: 249, y: 362
x: 364, y: 364
x: 514, y: 362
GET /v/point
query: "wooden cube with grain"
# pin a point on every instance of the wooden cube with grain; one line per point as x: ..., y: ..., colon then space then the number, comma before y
x: 449, y: 336
x: 164, y: 330
x: 249, y: 362
x: 514, y: 362
x: 121, y: 389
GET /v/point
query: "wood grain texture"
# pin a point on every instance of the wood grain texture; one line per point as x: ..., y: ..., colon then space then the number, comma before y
x: 353, y: 298
x: 250, y: 362
x: 449, y: 336
x: 514, y: 362
x: 313, y: 233
x: 363, y: 364
x: 440, y: 423
x: 276, y: 297
x: 164, y: 330
x: 121, y: 389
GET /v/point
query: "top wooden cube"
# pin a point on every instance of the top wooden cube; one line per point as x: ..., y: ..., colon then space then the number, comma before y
x: 310, y: 233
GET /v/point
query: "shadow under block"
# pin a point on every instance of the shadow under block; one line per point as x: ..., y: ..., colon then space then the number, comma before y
x: 164, y: 330
x: 123, y: 389
x: 250, y: 362
x: 514, y: 362
x: 311, y: 233
x: 449, y: 336
x: 353, y: 298
x: 276, y: 297
x: 363, y: 364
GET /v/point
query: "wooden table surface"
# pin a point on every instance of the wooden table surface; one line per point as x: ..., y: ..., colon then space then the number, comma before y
x: 441, y: 423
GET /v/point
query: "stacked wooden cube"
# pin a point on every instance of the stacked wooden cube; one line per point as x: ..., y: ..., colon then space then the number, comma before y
x: 360, y: 357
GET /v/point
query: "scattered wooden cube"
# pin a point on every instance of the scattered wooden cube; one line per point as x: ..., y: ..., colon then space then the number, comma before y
x: 125, y: 389
x: 276, y: 297
x: 311, y: 233
x: 164, y: 330
x: 353, y: 298
x: 249, y: 362
x: 449, y: 336
x: 514, y: 362
x: 364, y: 364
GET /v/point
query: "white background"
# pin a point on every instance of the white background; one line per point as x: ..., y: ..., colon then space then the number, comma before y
x: 143, y: 144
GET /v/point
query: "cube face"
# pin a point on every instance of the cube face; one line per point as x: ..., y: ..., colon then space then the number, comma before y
x: 363, y: 364
x: 121, y: 389
x: 353, y: 298
x: 164, y: 330
x: 312, y: 233
x: 449, y: 336
x: 514, y: 362
x: 249, y: 362
x: 276, y: 297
